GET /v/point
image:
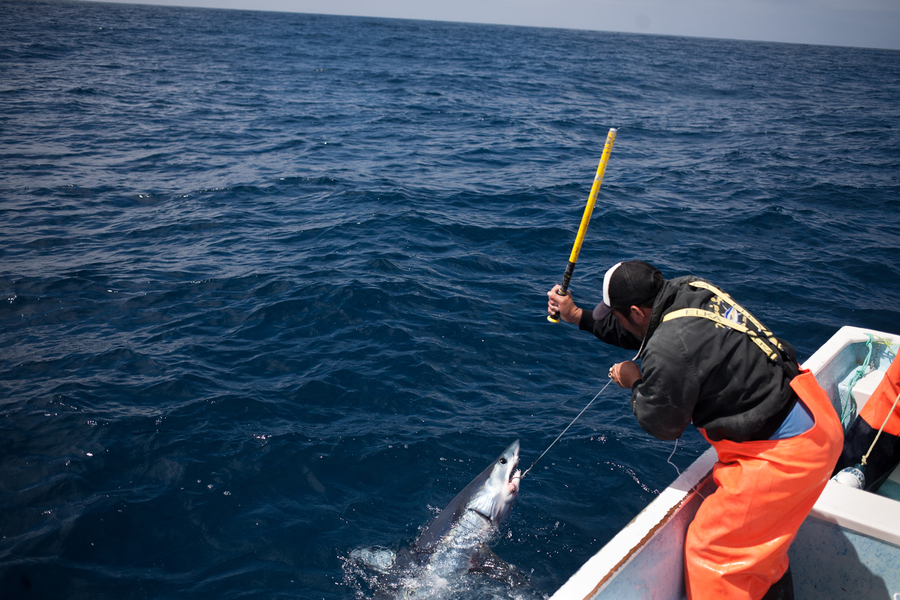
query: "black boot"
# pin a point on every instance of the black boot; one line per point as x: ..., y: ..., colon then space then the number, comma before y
x: 783, y: 589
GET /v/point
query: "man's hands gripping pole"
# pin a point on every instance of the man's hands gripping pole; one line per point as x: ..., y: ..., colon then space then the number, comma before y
x: 562, y: 306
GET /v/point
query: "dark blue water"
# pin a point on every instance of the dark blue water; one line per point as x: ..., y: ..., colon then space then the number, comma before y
x: 273, y: 285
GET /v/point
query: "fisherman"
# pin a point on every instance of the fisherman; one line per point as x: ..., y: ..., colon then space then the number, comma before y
x: 706, y: 360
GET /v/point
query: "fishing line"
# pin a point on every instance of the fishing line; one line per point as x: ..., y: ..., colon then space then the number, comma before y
x: 566, y: 429
x: 584, y: 409
x: 680, y: 476
x: 674, y: 448
x: 669, y: 460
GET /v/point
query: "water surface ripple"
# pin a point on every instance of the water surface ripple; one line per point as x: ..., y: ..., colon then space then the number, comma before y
x: 273, y: 284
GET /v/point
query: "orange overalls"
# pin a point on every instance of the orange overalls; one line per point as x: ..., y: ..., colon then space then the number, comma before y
x: 737, y: 545
x: 882, y: 400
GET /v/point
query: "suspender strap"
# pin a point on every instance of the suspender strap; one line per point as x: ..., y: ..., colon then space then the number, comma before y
x: 725, y: 322
x: 719, y: 319
x: 737, y: 307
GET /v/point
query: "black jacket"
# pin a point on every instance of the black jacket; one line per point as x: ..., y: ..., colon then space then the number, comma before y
x: 697, y: 371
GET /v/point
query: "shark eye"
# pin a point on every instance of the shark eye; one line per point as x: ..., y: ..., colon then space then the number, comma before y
x: 502, y: 461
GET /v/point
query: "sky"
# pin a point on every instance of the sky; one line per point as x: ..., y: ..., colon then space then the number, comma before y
x: 860, y: 23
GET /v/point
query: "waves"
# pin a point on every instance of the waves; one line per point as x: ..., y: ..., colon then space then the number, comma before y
x: 273, y: 285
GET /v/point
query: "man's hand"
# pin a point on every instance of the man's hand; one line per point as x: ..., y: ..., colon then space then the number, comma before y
x: 564, y: 305
x: 624, y: 374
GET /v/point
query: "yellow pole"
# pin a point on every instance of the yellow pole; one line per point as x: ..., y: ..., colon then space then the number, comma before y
x: 585, y: 219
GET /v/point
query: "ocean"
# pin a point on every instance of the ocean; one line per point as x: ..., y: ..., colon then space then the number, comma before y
x: 274, y: 285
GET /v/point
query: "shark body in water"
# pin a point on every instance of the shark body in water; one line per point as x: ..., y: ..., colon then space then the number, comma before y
x: 456, y: 543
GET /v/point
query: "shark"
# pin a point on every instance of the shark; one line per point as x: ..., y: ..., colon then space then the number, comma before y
x: 457, y: 541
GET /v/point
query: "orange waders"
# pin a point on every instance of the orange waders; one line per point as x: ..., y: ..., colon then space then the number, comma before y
x: 886, y: 453
x: 882, y: 400
x: 737, y: 545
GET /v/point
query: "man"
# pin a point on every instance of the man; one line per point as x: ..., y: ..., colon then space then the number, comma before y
x: 878, y: 420
x: 706, y: 360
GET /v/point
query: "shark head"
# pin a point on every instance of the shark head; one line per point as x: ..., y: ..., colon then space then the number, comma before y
x: 495, y: 497
x: 490, y: 495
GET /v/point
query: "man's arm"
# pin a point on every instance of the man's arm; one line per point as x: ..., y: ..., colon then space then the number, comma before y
x: 607, y: 330
x: 663, y: 400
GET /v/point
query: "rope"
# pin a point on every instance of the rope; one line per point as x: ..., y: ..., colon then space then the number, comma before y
x: 875, y: 441
x: 566, y: 429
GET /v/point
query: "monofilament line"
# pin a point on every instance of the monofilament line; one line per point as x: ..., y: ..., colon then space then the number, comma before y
x: 566, y: 429
x: 680, y: 476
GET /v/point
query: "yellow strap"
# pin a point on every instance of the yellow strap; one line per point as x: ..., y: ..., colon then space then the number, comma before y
x: 707, y: 314
x: 730, y: 300
x: 739, y: 308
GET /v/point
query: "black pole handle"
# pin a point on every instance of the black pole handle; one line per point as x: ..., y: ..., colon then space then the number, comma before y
x: 563, y: 289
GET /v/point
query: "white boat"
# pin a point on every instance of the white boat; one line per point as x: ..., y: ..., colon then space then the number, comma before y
x: 847, y: 548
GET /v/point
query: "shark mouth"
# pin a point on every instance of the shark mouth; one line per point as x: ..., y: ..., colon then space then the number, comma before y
x: 514, y: 481
x: 515, y: 477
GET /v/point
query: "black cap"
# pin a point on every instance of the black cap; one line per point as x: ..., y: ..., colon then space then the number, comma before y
x: 626, y: 284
